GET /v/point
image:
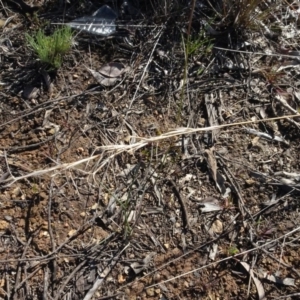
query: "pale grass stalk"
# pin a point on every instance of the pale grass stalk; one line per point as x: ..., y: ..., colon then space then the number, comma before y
x: 256, y: 53
x: 146, y: 68
x: 118, y: 149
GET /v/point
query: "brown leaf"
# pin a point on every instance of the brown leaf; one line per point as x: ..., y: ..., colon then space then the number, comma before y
x: 47, y: 80
x: 30, y: 92
x: 139, y: 266
x: 212, y: 167
x: 210, y: 204
x: 103, y: 80
x: 2, y: 23
x: 212, y: 115
x: 112, y: 70
x: 286, y: 281
x: 211, y: 163
x: 257, y: 282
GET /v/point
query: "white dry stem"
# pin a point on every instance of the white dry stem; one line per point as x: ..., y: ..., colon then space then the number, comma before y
x: 257, y: 53
x: 146, y: 68
x: 285, y: 104
x: 141, y: 142
x: 103, y: 275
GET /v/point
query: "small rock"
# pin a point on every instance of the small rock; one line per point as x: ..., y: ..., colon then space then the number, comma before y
x: 79, y: 151
x: 150, y: 292
x: 121, y: 278
x: 217, y: 227
x: 94, y: 207
x: 51, y: 131
x: 16, y: 192
x: 71, y: 232
x: 44, y: 234
x: 156, y: 277
x: 3, y: 225
x: 8, y: 218
x: 250, y: 182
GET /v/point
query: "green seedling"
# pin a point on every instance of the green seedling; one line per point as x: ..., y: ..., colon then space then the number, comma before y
x: 192, y: 47
x: 51, y: 49
x: 35, y: 188
x: 233, y: 250
x: 199, y: 45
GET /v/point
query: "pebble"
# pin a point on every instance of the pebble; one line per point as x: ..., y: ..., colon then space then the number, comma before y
x: 71, y: 232
x: 150, y: 292
x: 3, y: 225
x: 8, y: 218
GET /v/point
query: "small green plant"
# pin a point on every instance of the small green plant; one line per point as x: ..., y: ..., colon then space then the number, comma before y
x: 51, y: 49
x: 233, y: 250
x: 192, y: 46
x: 35, y: 188
x: 201, y: 44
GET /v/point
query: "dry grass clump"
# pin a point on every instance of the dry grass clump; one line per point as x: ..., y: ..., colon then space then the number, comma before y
x: 241, y: 15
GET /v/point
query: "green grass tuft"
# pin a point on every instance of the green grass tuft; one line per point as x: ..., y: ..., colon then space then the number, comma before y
x: 51, y: 49
x: 201, y: 44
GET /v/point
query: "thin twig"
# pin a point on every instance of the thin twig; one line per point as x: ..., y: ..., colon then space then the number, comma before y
x: 191, y: 18
x: 53, y: 244
x: 257, y: 53
x: 39, y: 258
x: 60, y: 290
x: 7, y: 285
x: 103, y: 275
x: 208, y: 265
x: 27, y: 278
x: 145, y: 69
x: 286, y: 296
x: 279, y: 261
x: 18, y: 275
x: 27, y: 147
x: 46, y: 279
x: 182, y: 203
x: 227, y: 258
x: 236, y: 188
x: 40, y: 107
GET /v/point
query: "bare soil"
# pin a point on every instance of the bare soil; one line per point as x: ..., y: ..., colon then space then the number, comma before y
x: 86, y: 212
